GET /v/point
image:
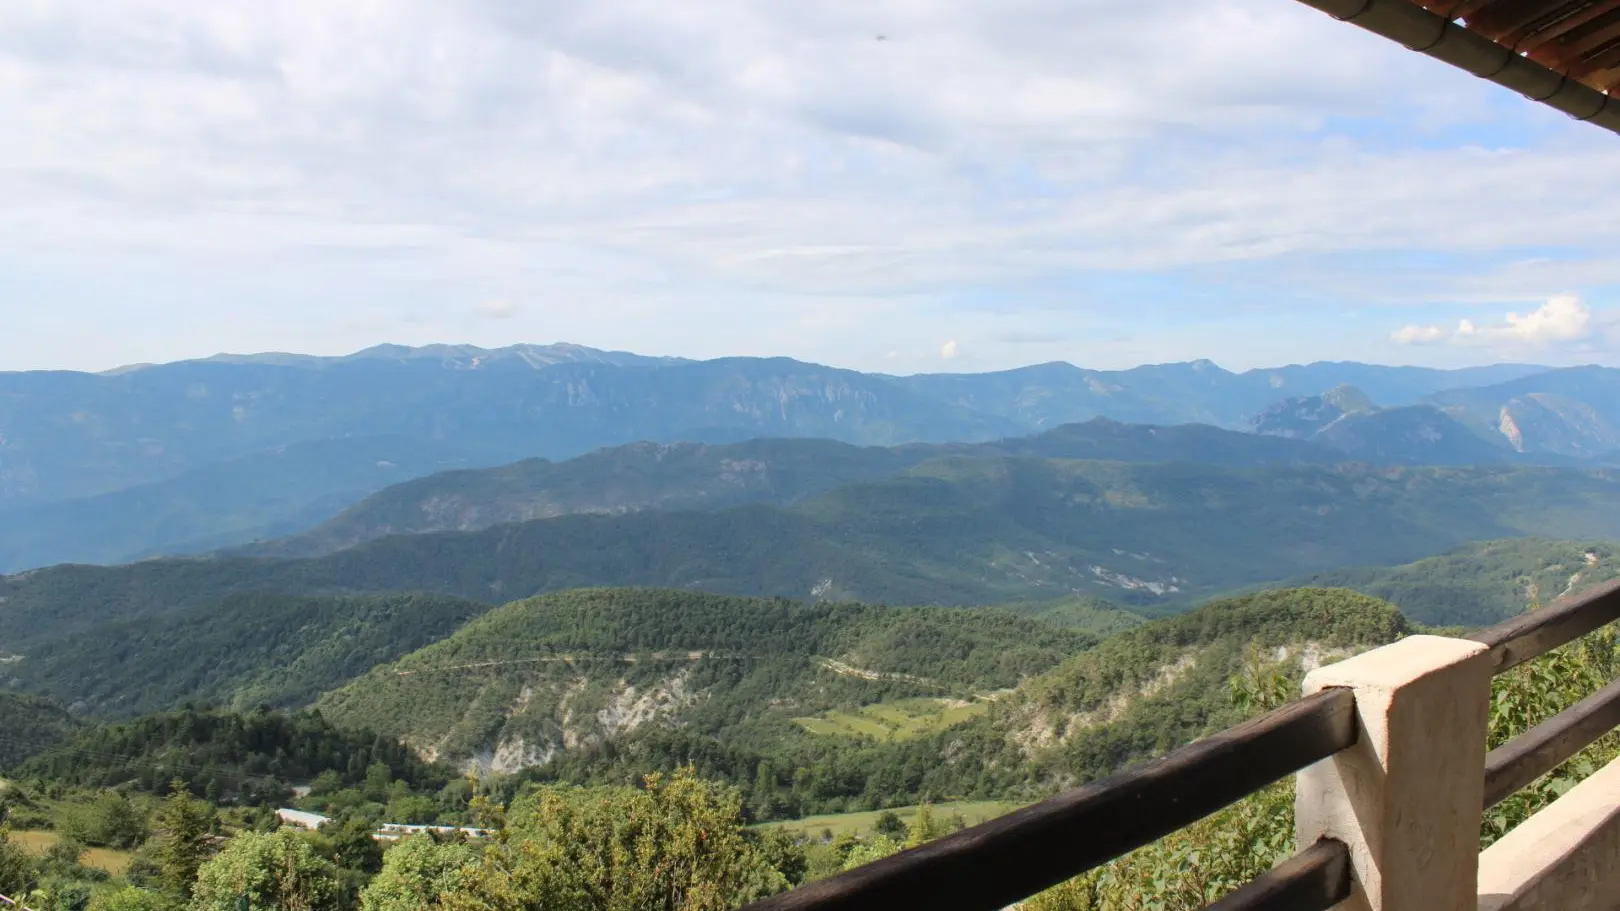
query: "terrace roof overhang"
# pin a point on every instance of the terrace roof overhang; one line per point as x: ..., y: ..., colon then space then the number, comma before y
x: 1562, y: 53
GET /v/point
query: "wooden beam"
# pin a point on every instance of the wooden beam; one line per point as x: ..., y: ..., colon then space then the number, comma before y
x: 1531, y: 635
x: 1315, y: 879
x: 1546, y: 746
x: 1533, y: 36
x: 996, y: 863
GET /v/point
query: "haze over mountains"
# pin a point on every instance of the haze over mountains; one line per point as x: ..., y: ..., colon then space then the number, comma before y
x: 201, y: 455
x: 830, y: 588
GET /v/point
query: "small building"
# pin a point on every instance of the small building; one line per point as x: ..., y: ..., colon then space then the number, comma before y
x: 301, y: 819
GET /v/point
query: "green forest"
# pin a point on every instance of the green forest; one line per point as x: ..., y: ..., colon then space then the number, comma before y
x: 950, y: 531
x: 567, y: 724
x: 674, y: 840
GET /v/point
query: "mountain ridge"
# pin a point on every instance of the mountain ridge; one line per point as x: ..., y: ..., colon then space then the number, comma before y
x: 776, y: 471
x: 953, y: 530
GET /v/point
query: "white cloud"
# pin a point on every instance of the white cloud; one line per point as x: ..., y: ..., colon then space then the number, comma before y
x: 702, y: 175
x: 1561, y: 320
x: 497, y: 308
x: 949, y: 351
x: 1418, y: 335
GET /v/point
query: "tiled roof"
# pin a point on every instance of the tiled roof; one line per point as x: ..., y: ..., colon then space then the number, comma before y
x: 1563, y: 53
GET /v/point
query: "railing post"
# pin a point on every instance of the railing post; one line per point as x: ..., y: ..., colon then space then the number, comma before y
x: 1406, y: 798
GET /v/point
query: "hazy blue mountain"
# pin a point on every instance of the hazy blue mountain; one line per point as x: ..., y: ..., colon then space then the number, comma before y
x: 700, y: 476
x: 65, y: 435
x: 461, y: 357
x: 1346, y: 420
x: 154, y: 440
x: 1195, y: 392
x: 1572, y: 412
x: 1412, y: 435
x: 954, y: 530
x: 1303, y: 417
x: 1388, y: 386
x: 261, y: 496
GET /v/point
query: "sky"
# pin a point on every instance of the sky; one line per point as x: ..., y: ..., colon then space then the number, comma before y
x: 888, y: 185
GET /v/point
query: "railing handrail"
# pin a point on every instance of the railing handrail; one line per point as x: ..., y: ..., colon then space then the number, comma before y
x: 1318, y: 877
x: 1007, y: 859
x: 1531, y: 635
x: 1546, y: 746
x: 996, y: 863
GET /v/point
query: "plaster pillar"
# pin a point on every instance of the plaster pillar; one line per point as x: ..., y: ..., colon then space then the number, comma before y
x: 1406, y: 798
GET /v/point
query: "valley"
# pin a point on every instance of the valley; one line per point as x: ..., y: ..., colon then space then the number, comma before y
x: 755, y: 456
x: 241, y: 451
x: 830, y: 602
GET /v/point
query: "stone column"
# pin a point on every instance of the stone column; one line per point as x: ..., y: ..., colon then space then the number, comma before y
x: 1406, y: 798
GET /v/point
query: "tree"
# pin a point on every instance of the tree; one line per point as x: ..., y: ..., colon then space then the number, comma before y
x: 130, y: 898
x: 111, y: 821
x: 351, y: 845
x: 864, y: 853
x: 328, y: 782
x: 65, y: 854
x: 378, y: 779
x: 412, y: 809
x: 60, y: 893
x: 890, y: 824
x: 272, y: 871
x: 16, y: 865
x: 924, y: 828
x: 674, y: 845
x: 185, y: 824
x: 417, y: 873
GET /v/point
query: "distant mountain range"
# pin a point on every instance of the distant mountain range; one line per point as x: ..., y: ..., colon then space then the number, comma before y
x: 199, y: 455
x: 1347, y: 421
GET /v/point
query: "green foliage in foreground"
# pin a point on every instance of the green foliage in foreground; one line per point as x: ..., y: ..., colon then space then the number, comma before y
x: 274, y: 871
x: 1192, y: 867
x: 418, y: 874
x: 671, y: 846
x: 679, y: 843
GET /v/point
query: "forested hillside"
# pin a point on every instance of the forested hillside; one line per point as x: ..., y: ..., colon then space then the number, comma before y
x: 950, y: 531
x: 30, y: 725
x: 808, y: 707
x: 241, y: 651
x: 226, y: 756
x: 1162, y: 684
x: 1482, y: 583
x: 697, y: 476
x: 818, y: 708
x: 535, y: 678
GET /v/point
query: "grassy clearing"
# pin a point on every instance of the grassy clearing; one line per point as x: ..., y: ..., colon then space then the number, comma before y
x: 114, y: 862
x: 891, y: 721
x: 972, y: 811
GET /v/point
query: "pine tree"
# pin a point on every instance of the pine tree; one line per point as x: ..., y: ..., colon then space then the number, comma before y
x: 185, y: 824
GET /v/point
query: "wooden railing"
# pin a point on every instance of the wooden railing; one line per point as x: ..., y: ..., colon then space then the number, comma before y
x: 1399, y: 729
